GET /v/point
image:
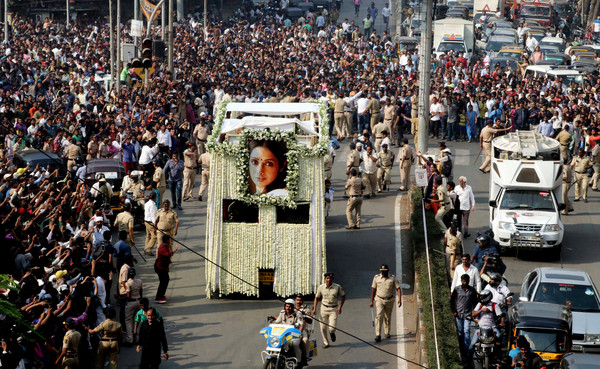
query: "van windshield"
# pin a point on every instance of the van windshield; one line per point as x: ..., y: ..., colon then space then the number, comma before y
x: 545, y: 341
x: 457, y: 47
x: 527, y: 200
x: 576, y: 296
x: 535, y: 11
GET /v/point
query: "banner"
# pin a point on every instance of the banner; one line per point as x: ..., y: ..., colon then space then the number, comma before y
x: 148, y: 7
x: 136, y: 28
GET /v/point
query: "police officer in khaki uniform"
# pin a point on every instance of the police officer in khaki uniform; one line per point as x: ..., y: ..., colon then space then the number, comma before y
x: 382, y: 291
x: 190, y: 163
x: 167, y: 220
x: 159, y: 178
x: 69, y: 356
x: 566, y: 185
x: 565, y: 138
x: 485, y: 141
x: 124, y: 222
x: 374, y: 109
x: 596, y: 166
x: 201, y: 133
x: 354, y: 187
x: 305, y: 312
x: 109, y: 343
x: 135, y: 187
x: 329, y: 293
x: 352, y: 161
x: 378, y: 130
x: 385, y: 161
x: 407, y: 157
x: 328, y: 166
x: 133, y: 289
x: 581, y: 164
x: 341, y: 128
x: 414, y: 118
x: 389, y: 116
x: 72, y: 152
x: 443, y: 200
x: 205, y: 167
x: 92, y: 148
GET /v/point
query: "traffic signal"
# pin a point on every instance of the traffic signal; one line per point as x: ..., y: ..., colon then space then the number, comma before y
x: 147, y: 53
x: 136, y: 62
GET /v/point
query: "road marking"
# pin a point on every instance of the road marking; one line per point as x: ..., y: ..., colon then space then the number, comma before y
x: 462, y: 157
x: 400, y: 315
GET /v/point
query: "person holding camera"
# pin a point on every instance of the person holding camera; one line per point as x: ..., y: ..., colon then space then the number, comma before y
x: 527, y: 358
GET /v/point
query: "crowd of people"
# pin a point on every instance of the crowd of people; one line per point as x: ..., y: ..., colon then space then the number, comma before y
x: 62, y: 256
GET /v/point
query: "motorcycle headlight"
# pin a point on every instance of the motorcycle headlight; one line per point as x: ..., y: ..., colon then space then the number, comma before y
x: 592, y: 338
x: 508, y: 226
x: 551, y: 228
x: 274, y: 341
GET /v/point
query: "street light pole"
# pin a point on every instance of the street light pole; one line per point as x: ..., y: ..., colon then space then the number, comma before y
x: 68, y: 15
x: 163, y: 21
x: 135, y: 16
x: 6, y: 22
x: 205, y: 25
x: 112, y: 41
x: 425, y: 80
x: 118, y: 33
x: 170, y: 53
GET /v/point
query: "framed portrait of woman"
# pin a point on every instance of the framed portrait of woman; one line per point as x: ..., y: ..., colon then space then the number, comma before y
x: 267, y: 167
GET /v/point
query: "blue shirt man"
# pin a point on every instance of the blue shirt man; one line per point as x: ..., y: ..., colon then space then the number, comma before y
x: 122, y: 249
x: 545, y: 128
x: 128, y: 150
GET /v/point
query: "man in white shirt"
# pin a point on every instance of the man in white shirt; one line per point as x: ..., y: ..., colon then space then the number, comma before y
x: 150, y: 211
x: 364, y: 118
x: 467, y: 203
x: 531, y: 43
x: 435, y: 111
x: 386, y: 12
x: 149, y: 151
x: 368, y: 168
x: 163, y: 136
x: 466, y: 268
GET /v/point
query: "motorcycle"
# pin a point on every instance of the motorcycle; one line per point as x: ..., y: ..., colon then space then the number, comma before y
x: 487, y: 350
x: 279, y: 353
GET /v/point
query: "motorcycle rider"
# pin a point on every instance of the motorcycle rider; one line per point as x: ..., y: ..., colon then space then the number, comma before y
x: 487, y: 311
x: 483, y: 248
x: 289, y: 316
x: 303, y: 309
x: 499, y: 291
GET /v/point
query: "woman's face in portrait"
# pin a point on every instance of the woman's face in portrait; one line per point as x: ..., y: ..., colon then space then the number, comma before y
x: 264, y: 168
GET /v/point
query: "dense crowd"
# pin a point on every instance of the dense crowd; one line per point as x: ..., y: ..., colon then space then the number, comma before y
x: 51, y: 223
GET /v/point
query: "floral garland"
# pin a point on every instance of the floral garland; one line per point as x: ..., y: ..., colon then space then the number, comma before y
x: 239, y: 151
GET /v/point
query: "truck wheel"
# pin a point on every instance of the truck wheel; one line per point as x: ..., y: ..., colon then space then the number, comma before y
x: 555, y: 252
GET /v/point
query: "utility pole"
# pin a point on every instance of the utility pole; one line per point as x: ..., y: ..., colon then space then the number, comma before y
x: 136, y: 5
x: 205, y: 25
x: 118, y: 33
x: 68, y: 15
x: 112, y: 41
x: 170, y: 53
x: 425, y: 80
x: 163, y: 21
x: 6, y: 22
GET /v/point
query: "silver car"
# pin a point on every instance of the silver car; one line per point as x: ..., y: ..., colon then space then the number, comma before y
x: 572, y: 288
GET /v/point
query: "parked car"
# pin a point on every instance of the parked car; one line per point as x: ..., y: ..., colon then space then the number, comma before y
x: 496, y: 43
x: 574, y: 289
x: 44, y: 159
x: 513, y: 63
x: 575, y: 360
x: 556, y: 41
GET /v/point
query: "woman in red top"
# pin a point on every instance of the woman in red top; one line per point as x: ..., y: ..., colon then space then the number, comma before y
x: 161, y: 268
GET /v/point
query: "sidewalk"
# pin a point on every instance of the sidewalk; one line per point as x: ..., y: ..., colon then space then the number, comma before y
x: 409, y: 344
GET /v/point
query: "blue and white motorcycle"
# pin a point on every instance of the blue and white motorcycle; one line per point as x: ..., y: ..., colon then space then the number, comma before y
x: 279, y: 353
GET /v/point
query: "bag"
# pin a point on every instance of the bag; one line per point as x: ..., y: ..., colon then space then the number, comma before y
x: 99, y: 250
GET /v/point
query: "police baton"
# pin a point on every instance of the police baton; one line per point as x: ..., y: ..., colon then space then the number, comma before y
x: 372, y: 316
x: 478, y: 155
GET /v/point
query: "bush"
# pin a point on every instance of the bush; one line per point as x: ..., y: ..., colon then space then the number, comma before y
x: 446, y: 329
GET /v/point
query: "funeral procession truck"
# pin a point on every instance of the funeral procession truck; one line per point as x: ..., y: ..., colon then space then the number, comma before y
x: 525, y: 190
x: 266, y: 199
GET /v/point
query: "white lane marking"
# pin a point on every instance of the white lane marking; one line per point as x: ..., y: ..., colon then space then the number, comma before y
x: 400, y: 314
x: 462, y: 157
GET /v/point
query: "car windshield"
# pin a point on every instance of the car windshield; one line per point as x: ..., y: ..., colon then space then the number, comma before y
x: 494, y: 45
x: 509, y: 54
x: 528, y: 200
x: 568, y: 79
x: 535, y: 11
x: 545, y: 341
x: 576, y: 297
x: 447, y: 46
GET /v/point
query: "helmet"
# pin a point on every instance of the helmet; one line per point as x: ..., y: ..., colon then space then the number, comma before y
x: 496, y: 277
x: 485, y: 296
x: 79, y: 160
x: 131, y: 272
x: 290, y: 302
x: 484, y: 240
